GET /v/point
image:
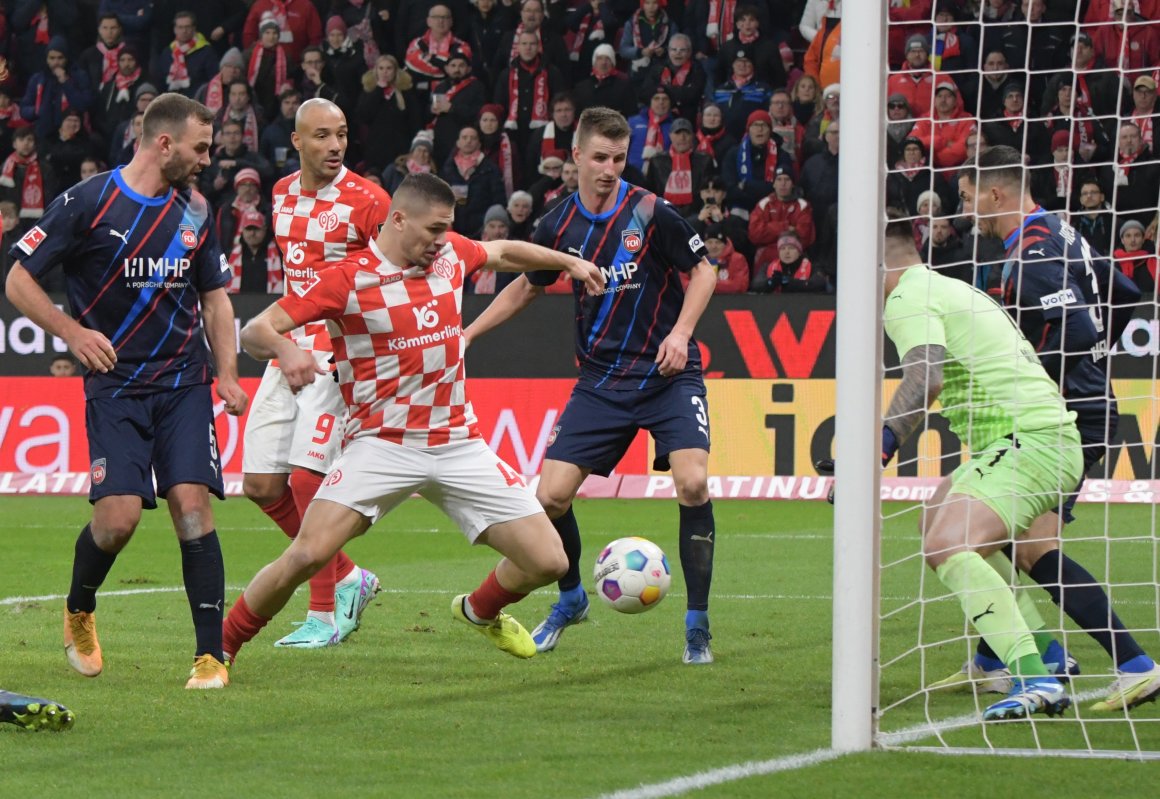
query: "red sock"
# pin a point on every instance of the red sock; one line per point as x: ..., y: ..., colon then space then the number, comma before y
x: 343, y: 565
x: 284, y: 512
x: 491, y: 597
x: 304, y: 484
x: 240, y: 626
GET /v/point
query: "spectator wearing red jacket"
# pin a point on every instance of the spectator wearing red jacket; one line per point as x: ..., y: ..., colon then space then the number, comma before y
x: 916, y: 80
x: 945, y: 134
x: 298, y: 23
x: 732, y: 268
x: 781, y: 212
x: 788, y: 270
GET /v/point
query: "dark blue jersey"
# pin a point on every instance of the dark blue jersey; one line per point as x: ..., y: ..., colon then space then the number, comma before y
x: 134, y: 266
x: 640, y: 244
x: 1059, y: 290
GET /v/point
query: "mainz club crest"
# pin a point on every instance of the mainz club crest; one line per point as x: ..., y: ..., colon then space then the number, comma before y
x: 631, y: 240
x: 444, y: 268
x: 188, y: 237
x: 328, y: 221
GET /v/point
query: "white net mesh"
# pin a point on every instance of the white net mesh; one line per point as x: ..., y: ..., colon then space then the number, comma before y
x: 1072, y: 87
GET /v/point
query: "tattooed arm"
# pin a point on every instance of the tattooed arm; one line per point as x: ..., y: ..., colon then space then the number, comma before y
x: 922, y: 382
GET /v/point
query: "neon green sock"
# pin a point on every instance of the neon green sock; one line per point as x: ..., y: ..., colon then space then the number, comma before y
x: 987, y: 600
x: 1027, y: 607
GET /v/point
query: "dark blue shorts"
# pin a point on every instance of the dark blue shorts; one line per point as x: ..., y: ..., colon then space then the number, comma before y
x: 1095, y: 431
x: 597, y: 427
x: 169, y: 434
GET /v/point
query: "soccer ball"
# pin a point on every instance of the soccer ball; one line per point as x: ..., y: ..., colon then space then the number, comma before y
x: 632, y: 575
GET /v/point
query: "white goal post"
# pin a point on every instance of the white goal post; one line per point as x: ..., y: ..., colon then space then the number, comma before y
x: 870, y: 655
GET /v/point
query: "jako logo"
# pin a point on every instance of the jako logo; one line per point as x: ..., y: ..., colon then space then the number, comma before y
x: 620, y: 272
x: 425, y: 316
x: 295, y: 252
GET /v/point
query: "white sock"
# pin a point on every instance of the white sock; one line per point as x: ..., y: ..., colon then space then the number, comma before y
x: 351, y: 577
x: 470, y: 613
x: 326, y: 616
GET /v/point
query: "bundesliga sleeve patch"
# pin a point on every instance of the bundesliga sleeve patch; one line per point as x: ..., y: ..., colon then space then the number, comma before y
x: 225, y: 264
x: 31, y: 240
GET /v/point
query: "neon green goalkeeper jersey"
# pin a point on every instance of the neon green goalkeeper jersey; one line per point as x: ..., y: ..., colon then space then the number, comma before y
x: 993, y: 384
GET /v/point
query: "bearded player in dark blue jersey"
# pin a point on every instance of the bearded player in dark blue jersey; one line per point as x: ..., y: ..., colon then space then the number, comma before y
x: 1072, y: 305
x: 640, y: 367
x: 143, y: 266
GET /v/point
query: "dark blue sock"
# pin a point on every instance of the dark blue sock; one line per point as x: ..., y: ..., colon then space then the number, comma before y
x: 205, y: 586
x: 569, y: 532
x: 91, y: 566
x: 1083, y: 599
x: 697, y: 537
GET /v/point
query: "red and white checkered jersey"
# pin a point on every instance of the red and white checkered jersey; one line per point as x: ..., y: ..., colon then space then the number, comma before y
x: 316, y: 229
x: 399, y: 345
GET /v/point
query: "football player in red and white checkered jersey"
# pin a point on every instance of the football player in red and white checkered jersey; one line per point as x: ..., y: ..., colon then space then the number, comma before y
x: 320, y: 215
x: 399, y: 354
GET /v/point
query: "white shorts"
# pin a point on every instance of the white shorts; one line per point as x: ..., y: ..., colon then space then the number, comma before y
x: 465, y: 480
x: 285, y: 429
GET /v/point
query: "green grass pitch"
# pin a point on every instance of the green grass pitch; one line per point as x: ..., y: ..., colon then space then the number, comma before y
x: 415, y: 705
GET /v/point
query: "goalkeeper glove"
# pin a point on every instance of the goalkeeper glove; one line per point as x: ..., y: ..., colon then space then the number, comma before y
x: 889, y: 447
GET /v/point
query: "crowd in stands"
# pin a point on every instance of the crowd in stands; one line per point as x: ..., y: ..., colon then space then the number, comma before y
x: 734, y: 107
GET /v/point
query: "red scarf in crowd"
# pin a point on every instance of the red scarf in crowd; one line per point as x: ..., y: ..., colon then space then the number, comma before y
x: 909, y: 171
x: 1062, y: 180
x: 654, y: 137
x: 1123, y: 167
x: 280, y: 82
x: 467, y: 164
x: 678, y: 78
x: 720, y: 27
x: 449, y: 95
x: 122, y: 83
x: 590, y: 25
x: 40, y: 22
x: 215, y: 95
x: 539, y: 94
x: 679, y: 186
x: 10, y: 116
x: 273, y: 267
x: 279, y: 14
x: 109, y: 56
x: 705, y: 142
x: 31, y: 189
x: 250, y: 131
x: 1144, y: 123
x: 178, y: 77
x: 548, y: 143
x: 1014, y: 120
x: 552, y: 194
x: 802, y: 272
x: 507, y: 160
x: 40, y: 99
x: 419, y: 55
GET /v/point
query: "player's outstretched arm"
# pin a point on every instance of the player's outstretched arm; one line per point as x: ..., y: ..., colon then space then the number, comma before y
x: 674, y: 350
x: 922, y: 382
x: 263, y: 338
x: 512, y: 299
x: 219, y: 329
x: 523, y: 256
x: 91, y: 347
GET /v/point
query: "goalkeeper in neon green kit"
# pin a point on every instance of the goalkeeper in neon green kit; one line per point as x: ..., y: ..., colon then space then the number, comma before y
x: 958, y: 345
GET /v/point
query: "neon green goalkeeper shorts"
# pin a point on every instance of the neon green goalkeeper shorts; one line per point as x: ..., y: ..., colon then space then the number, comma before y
x: 1022, y: 478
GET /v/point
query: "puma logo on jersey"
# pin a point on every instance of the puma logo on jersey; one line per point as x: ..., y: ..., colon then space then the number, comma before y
x: 124, y: 237
x: 1036, y: 252
x: 68, y: 198
x: 577, y: 251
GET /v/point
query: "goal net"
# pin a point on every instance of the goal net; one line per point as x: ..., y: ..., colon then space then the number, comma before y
x: 1071, y: 86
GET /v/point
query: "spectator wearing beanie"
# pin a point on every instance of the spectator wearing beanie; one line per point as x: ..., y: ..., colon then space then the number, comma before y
x: 788, y: 270
x: 456, y: 101
x: 899, y: 123
x: 230, y: 68
x: 298, y: 24
x: 649, y: 130
x: 678, y: 71
x: 246, y: 196
x: 606, y: 86
x: 53, y: 89
x: 496, y: 227
x: 751, y: 35
x: 551, y: 170
x: 499, y: 147
x: 389, y: 110
x: 915, y: 80
x: 731, y: 266
x: 678, y: 174
x: 475, y: 180
x: 742, y: 94
x: 1013, y: 130
x: 418, y: 160
x: 344, y: 60
x: 1051, y: 184
x: 553, y: 137
x: 909, y: 178
x: 783, y: 211
x: 749, y: 169
x: 592, y: 24
x: 815, y: 140
x: 1138, y: 263
x: 64, y: 151
x: 268, y: 67
x: 254, y: 258
x: 944, y: 133
x: 115, y: 102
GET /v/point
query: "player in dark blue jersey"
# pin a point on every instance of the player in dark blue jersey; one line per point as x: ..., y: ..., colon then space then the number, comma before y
x: 1072, y: 306
x: 640, y: 367
x: 143, y: 267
